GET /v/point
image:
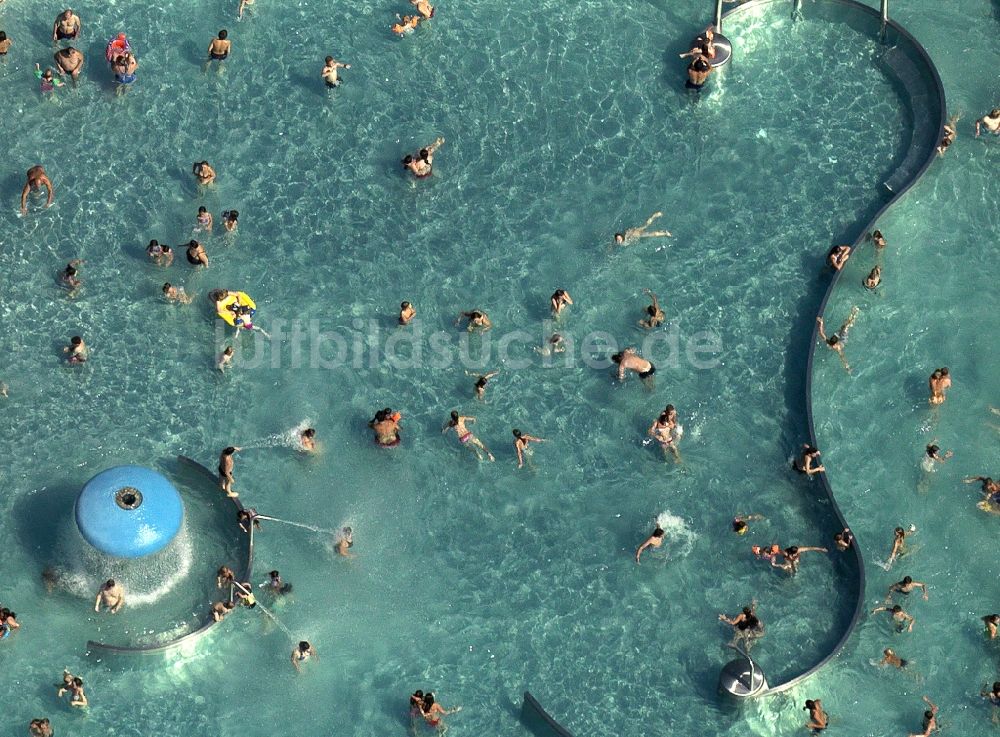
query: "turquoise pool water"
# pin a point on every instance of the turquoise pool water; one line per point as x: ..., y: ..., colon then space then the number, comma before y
x: 476, y: 581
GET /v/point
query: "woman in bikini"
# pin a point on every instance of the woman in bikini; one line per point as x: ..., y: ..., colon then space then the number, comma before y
x: 465, y: 437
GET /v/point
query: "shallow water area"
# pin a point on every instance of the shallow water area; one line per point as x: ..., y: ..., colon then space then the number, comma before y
x: 475, y: 580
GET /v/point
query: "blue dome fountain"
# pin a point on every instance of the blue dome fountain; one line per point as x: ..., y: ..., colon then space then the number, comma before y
x: 129, y: 512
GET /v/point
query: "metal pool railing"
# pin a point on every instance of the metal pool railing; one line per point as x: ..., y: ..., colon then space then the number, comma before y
x: 907, y: 63
x: 207, y: 623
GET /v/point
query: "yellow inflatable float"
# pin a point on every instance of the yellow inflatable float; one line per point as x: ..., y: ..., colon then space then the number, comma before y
x: 236, y: 308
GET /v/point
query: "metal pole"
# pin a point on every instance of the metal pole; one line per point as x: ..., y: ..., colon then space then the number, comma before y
x: 884, y: 13
x: 797, y: 10
x: 718, y: 16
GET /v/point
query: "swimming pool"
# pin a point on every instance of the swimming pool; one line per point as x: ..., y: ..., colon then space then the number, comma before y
x: 473, y: 580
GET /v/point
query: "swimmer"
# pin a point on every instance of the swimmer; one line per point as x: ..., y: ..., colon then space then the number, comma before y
x: 992, y: 622
x: 950, y: 134
x: 196, y: 255
x: 933, y: 455
x: 302, y: 652
x: 478, y: 321
x: 769, y: 553
x: 558, y: 301
x: 112, y: 595
x: 930, y: 720
x: 906, y: 587
x: 634, y: 234
x: 653, y: 541
x: 433, y: 711
x: 654, y: 314
x: 224, y: 577
x: 481, y: 380
x: 307, y: 440
x: 421, y: 163
x: 225, y: 358
x: 345, y: 542
x: 521, y: 441
x: 837, y: 257
x: 218, y: 50
x: 423, y: 7
x: 818, y: 718
x: 46, y: 81
x: 35, y: 179
x: 8, y: 620
x: 203, y: 222
x: 244, y: 5
x: 160, y: 255
x: 124, y: 67
x: 889, y: 657
x: 698, y: 70
x: 406, y: 313
x: 990, y: 491
x: 746, y: 626
x: 843, y: 540
x: 5, y: 44
x: 555, y: 344
x: 77, y: 350
x: 741, y: 522
x: 230, y: 220
x: 990, y: 121
x: 329, y: 73
x: 465, y: 436
x: 630, y: 360
x: 837, y: 341
x: 938, y: 382
x: 69, y: 61
x: 405, y: 24
x: 69, y: 278
x: 385, y: 424
x: 992, y: 694
x: 792, y: 558
x: 276, y: 585
x: 804, y: 463
x: 874, y: 278
x: 898, y: 544
x: 878, y: 239
x: 226, y: 463
x: 665, y: 431
x: 900, y: 618
x: 40, y: 728
x: 203, y: 172
x: 67, y: 26
x: 221, y: 609
x: 176, y: 294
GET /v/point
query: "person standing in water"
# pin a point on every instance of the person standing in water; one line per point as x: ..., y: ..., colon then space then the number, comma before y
x: 905, y: 587
x: 664, y: 431
x: 345, y: 542
x: 938, y: 382
x: 225, y: 358
x: 838, y: 339
x: 479, y: 321
x: 746, y: 626
x: 655, y: 540
x: 654, y: 314
x: 521, y: 441
x: 302, y: 652
x: 818, y: 718
x: 40, y: 728
x: 203, y: 172
x: 874, y: 278
x: 112, y: 595
x: 35, y: 179
x: 307, y: 440
x: 421, y: 165
x: 930, y: 720
x: 218, y: 49
x: 808, y: 457
x: 629, y: 235
x: 889, y: 657
x: 385, y: 424
x: 989, y: 122
x: 69, y: 61
x: 77, y: 350
x: 66, y: 27
x: 406, y: 313
x: 329, y: 73
x: 226, y: 464
x: 898, y: 544
x: 992, y: 622
x: 558, y: 302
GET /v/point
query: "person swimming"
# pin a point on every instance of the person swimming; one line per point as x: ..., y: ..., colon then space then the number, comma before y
x: 302, y: 652
x: 804, y: 463
x: 900, y: 619
x: 276, y: 585
x: 741, y: 522
x: 479, y: 388
x: 345, y: 542
x: 478, y: 321
x: 630, y: 360
x: 465, y: 437
x: 837, y: 341
x: 989, y: 122
x: 655, y: 540
x: 747, y: 627
x: 385, y: 424
x: 654, y: 314
x: 939, y: 380
x: 873, y: 279
x: 521, y: 441
x: 666, y: 432
x: 889, y: 657
x: 406, y: 313
x: 932, y: 455
x: 906, y: 587
x: 629, y: 235
x: 818, y: 719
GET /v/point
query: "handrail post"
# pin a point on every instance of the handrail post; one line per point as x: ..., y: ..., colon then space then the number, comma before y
x: 797, y: 10
x: 884, y: 15
x: 717, y: 20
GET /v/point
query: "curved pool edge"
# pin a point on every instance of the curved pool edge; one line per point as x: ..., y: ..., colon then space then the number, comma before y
x: 209, y: 622
x: 903, y: 181
x: 914, y: 165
